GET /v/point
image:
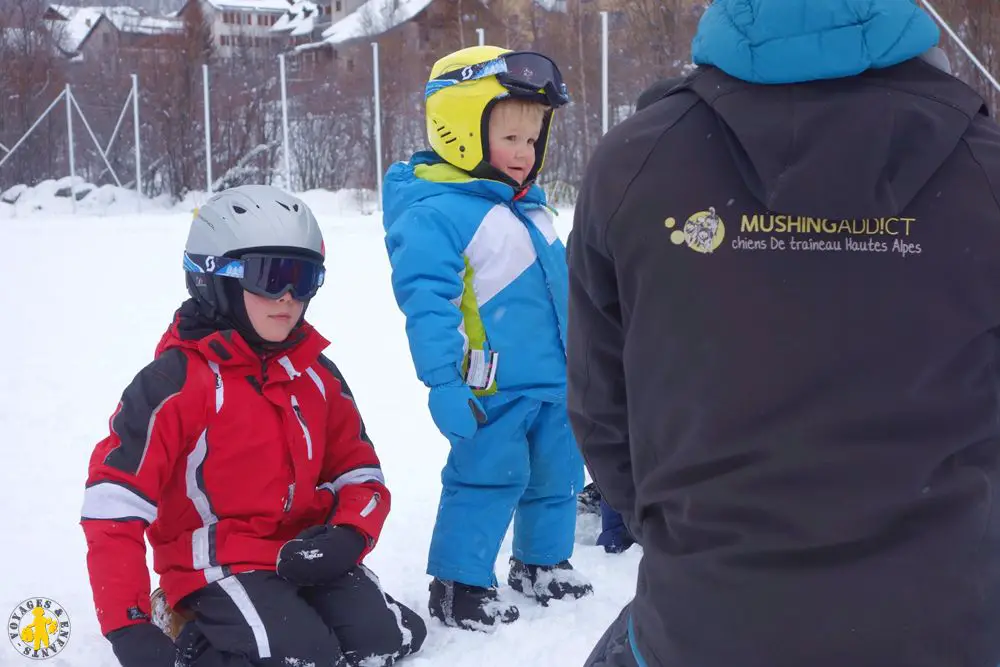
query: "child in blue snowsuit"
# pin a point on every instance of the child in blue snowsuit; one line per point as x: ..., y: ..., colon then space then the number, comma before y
x: 479, y: 272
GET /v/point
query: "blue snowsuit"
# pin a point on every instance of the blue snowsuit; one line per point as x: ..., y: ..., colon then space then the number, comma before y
x: 482, y: 281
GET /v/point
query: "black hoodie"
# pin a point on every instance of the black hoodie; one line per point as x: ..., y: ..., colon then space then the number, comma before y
x: 783, y: 368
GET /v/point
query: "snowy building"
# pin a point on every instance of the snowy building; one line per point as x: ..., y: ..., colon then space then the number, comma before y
x: 242, y: 27
x: 89, y: 33
x: 303, y: 22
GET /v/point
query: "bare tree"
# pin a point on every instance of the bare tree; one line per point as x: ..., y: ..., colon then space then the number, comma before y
x: 172, y: 99
x: 32, y: 75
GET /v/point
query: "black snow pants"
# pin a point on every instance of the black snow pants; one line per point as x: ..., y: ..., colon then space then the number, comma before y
x: 258, y: 619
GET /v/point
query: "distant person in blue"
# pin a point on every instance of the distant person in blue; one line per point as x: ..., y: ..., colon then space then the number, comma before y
x: 480, y: 274
x: 784, y: 310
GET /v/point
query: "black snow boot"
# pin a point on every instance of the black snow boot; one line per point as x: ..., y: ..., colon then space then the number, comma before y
x: 469, y: 607
x: 588, y: 501
x: 547, y: 582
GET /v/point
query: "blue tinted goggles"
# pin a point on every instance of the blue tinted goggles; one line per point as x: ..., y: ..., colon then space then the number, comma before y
x: 270, y: 276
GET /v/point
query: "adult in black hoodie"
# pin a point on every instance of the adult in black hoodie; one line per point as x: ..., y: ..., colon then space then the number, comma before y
x: 783, y: 351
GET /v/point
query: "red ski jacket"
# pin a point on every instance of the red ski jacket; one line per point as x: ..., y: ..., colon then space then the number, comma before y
x: 219, y: 456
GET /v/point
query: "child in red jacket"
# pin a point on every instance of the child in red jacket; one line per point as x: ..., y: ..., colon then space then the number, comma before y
x: 240, y: 454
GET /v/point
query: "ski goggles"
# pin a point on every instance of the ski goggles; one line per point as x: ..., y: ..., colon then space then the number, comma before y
x: 271, y: 276
x: 523, y: 73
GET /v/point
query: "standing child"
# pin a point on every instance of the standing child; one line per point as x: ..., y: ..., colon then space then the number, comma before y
x: 479, y: 272
x: 240, y: 454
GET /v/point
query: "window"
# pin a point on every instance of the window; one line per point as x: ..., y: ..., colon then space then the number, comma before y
x: 339, y: 5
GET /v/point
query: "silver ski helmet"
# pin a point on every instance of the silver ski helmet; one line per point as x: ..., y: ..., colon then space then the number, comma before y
x: 249, y: 221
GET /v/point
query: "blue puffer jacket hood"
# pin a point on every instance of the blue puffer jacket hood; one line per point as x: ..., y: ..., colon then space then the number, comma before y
x: 792, y: 41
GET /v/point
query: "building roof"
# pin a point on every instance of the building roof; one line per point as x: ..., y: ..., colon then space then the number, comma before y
x: 302, y: 18
x: 269, y: 6
x: 374, y: 17
x: 76, y: 26
x: 125, y: 19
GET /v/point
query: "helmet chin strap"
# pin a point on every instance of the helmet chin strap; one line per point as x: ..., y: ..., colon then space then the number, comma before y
x: 221, y: 307
x: 487, y: 171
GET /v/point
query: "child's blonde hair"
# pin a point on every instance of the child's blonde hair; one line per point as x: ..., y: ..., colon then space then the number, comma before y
x: 515, y: 109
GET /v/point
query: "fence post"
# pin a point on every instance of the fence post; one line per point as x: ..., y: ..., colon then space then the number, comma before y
x: 69, y: 133
x: 482, y: 36
x: 208, y: 132
x: 284, y: 123
x: 378, y: 124
x: 604, y: 73
x: 135, y: 122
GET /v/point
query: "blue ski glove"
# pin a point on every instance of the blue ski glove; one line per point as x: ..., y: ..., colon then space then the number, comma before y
x: 456, y: 410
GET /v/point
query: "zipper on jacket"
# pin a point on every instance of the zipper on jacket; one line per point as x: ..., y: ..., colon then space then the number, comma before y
x: 305, y: 428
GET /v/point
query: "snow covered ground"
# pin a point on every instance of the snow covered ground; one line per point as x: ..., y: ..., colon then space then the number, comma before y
x: 84, y: 300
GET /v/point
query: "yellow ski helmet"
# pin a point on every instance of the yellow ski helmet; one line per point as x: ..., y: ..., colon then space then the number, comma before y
x: 464, y: 87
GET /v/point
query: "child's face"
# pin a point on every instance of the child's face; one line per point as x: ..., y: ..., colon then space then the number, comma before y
x: 273, y: 319
x: 513, y: 135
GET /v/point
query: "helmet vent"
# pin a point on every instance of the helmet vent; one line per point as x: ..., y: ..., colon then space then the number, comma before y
x: 284, y: 206
x: 239, y: 209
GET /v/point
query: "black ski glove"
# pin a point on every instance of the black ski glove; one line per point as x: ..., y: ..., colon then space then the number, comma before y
x: 320, y: 555
x: 142, y: 645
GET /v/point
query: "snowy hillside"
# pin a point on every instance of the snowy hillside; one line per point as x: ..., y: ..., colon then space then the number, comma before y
x: 85, y: 301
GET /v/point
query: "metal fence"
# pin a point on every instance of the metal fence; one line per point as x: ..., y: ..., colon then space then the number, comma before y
x: 286, y: 166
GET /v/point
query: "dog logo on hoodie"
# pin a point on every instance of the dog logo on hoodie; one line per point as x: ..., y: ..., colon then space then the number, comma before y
x: 703, y: 232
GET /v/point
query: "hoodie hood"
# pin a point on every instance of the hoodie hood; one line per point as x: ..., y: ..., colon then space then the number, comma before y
x: 790, y: 41
x: 427, y: 176
x: 840, y: 149
x: 190, y: 329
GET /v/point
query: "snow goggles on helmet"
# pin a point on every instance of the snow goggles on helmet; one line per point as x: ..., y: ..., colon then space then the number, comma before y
x: 522, y: 73
x: 271, y: 276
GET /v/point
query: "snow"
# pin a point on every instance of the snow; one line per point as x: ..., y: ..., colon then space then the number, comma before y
x: 79, y: 22
x: 252, y: 5
x: 125, y: 19
x: 299, y: 20
x: 552, y: 5
x: 373, y: 18
x: 76, y: 333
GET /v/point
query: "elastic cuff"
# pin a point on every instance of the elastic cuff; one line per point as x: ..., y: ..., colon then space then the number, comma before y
x: 440, y: 376
x: 484, y: 579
